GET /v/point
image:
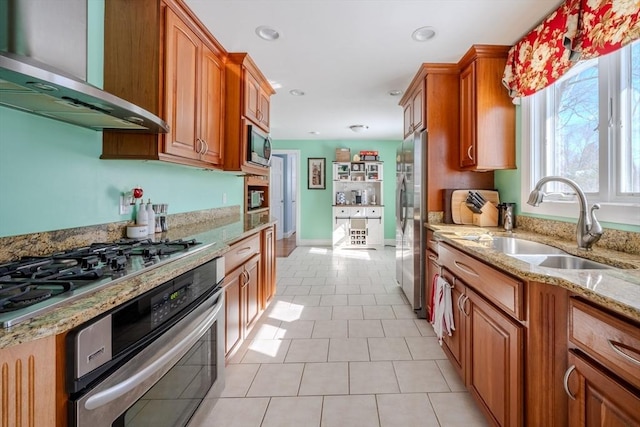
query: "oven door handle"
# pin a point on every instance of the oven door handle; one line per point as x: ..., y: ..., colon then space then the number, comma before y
x: 112, y: 393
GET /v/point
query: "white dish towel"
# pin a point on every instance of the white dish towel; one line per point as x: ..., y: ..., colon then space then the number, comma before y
x: 442, y: 304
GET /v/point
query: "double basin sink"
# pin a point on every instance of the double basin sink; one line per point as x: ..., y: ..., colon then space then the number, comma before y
x: 542, y: 255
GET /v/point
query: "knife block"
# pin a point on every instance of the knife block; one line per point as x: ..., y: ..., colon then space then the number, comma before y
x: 488, y: 217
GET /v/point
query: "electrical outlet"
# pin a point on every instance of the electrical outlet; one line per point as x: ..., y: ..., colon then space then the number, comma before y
x: 224, y: 198
x: 125, y: 207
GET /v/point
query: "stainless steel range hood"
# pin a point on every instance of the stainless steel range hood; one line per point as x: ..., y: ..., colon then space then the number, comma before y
x: 30, y: 86
x: 43, y: 57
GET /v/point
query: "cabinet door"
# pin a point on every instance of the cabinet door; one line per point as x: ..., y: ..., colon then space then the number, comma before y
x: 183, y: 50
x: 251, y: 293
x: 263, y: 110
x: 340, y: 229
x: 28, y: 393
x: 375, y: 231
x: 597, y: 399
x: 468, y: 117
x: 233, y: 323
x: 251, y: 97
x: 417, y: 101
x: 408, y: 116
x: 494, y: 365
x: 211, y: 107
x: 268, y: 287
x: 433, y: 268
x: 454, y: 345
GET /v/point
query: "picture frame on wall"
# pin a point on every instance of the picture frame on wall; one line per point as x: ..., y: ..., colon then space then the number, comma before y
x: 316, y: 179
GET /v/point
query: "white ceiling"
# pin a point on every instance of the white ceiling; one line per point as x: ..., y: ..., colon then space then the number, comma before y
x: 346, y: 55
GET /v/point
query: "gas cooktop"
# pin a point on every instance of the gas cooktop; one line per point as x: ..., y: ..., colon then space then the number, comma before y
x: 36, y: 285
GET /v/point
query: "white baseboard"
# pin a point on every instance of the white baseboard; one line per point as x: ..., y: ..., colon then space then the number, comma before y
x: 308, y: 242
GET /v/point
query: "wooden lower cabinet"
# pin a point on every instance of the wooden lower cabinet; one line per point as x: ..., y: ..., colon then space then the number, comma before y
x: 596, y: 398
x: 242, y: 302
x: 28, y: 384
x: 487, y: 346
x: 249, y: 285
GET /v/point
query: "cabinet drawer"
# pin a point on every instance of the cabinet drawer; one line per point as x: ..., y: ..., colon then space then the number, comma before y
x: 373, y: 212
x: 432, y: 244
x: 357, y: 212
x: 504, y: 291
x: 341, y: 212
x: 611, y: 341
x: 241, y: 252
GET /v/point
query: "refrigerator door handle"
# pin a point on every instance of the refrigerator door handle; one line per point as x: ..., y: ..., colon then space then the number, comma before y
x: 402, y: 206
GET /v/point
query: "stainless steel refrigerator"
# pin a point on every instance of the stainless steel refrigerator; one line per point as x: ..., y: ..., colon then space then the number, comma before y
x: 411, y: 215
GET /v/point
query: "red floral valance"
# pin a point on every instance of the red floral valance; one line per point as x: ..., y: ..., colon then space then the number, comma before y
x: 578, y: 29
x: 605, y: 26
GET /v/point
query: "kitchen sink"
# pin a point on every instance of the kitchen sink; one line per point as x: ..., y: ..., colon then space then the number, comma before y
x: 564, y: 262
x: 513, y: 245
x: 542, y: 255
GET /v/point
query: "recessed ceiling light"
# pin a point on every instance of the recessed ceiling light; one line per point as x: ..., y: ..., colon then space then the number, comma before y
x: 296, y: 92
x: 423, y: 34
x: 395, y: 92
x: 358, y: 128
x: 314, y: 132
x: 267, y: 33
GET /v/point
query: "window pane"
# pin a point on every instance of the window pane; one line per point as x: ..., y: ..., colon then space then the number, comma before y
x: 630, y: 147
x: 576, y: 143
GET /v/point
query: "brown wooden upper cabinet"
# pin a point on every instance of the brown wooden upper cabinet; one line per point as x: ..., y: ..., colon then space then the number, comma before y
x: 248, y: 95
x: 159, y: 56
x: 412, y: 104
x: 487, y: 113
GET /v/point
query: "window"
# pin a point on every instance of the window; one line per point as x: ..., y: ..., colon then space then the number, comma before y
x: 586, y: 127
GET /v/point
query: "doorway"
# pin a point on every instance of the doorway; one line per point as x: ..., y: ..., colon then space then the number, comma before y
x: 290, y: 191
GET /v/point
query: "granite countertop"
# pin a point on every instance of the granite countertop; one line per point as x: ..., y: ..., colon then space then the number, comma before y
x: 617, y: 289
x: 216, y: 240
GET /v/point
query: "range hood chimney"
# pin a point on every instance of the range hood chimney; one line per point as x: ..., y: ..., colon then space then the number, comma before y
x: 43, y: 69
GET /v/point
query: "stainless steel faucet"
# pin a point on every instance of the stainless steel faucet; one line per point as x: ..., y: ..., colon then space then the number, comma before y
x: 588, y: 231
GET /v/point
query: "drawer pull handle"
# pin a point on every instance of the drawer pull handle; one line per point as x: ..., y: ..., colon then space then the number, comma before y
x: 243, y: 250
x: 565, y: 381
x: 618, y: 349
x: 466, y: 268
x: 434, y: 259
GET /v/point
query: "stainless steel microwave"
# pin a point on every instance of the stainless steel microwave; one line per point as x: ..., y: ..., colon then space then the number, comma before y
x: 259, y: 146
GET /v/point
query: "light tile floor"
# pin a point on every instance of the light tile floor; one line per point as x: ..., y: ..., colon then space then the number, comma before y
x: 340, y: 346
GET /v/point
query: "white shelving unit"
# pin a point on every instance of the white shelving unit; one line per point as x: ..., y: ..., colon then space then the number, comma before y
x: 358, y: 214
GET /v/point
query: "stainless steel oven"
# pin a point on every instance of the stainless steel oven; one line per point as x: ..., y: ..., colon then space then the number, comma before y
x: 152, y: 360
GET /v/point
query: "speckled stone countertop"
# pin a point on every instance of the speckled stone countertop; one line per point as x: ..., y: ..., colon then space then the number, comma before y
x: 215, y: 239
x: 617, y: 289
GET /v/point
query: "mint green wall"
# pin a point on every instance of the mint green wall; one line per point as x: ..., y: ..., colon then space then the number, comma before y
x: 315, y: 205
x: 51, y: 176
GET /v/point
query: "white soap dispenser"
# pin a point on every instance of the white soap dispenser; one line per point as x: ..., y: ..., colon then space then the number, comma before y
x: 141, y: 214
x: 151, y: 218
